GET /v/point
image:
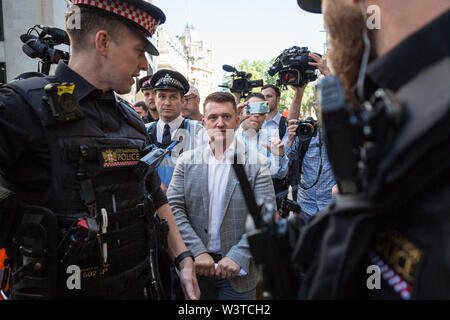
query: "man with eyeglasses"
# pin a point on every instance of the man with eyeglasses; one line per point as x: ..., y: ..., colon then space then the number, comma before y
x: 190, y: 109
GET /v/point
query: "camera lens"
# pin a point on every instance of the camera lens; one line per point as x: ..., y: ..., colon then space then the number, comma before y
x: 66, y: 103
x: 305, y: 131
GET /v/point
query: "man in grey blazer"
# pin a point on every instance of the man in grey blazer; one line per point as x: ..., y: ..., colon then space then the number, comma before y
x: 209, y: 206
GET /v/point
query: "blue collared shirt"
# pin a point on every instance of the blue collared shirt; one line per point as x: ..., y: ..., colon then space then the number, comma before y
x: 319, y: 196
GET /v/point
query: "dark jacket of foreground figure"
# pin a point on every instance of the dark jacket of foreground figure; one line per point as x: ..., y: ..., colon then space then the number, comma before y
x: 404, y: 228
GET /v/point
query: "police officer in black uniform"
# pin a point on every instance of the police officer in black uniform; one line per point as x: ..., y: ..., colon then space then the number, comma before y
x: 76, y: 218
x: 389, y: 239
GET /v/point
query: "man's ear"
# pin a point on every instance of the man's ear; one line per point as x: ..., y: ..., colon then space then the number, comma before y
x: 102, y: 40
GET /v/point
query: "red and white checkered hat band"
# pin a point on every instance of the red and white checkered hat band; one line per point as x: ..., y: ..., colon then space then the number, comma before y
x: 128, y: 11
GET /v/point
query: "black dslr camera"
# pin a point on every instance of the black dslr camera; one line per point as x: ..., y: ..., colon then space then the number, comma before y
x: 306, y: 129
x: 293, y: 68
x: 42, y: 45
x: 241, y: 82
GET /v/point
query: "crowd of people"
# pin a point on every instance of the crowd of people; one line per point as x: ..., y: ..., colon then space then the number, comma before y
x: 73, y: 191
x: 200, y: 185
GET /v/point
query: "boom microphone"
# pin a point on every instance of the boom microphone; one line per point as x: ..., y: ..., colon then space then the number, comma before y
x: 228, y: 68
x: 25, y: 37
x: 58, y: 34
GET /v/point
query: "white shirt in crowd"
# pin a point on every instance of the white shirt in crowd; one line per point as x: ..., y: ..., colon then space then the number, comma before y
x: 201, y: 136
x: 174, y: 125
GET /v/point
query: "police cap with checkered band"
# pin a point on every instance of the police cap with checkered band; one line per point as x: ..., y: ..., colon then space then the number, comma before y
x: 142, y: 16
x: 166, y: 79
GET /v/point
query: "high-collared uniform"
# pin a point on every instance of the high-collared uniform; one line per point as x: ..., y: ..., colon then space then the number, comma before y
x: 79, y: 169
x: 76, y: 216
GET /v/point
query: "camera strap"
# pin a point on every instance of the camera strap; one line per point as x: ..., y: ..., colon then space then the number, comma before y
x: 250, y: 201
x: 282, y: 127
x: 320, y: 166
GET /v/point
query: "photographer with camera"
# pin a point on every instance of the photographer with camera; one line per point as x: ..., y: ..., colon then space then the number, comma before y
x: 241, y: 84
x: 296, y: 68
x: 319, y: 63
x: 253, y: 114
x: 310, y: 160
x: 275, y: 126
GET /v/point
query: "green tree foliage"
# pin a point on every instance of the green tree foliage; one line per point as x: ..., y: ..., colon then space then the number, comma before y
x: 258, y: 69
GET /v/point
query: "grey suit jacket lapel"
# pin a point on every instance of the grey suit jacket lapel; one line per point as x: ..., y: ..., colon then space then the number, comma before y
x: 203, y: 175
x: 231, y: 185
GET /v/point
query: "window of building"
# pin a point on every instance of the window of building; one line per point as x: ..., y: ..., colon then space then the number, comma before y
x: 2, y: 73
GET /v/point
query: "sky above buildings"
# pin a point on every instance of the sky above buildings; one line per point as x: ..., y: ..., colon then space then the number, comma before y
x: 245, y: 29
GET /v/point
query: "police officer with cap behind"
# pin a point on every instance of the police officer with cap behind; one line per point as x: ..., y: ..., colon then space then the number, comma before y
x: 149, y: 96
x: 386, y: 235
x: 76, y: 216
x: 170, y: 87
x: 171, y: 132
